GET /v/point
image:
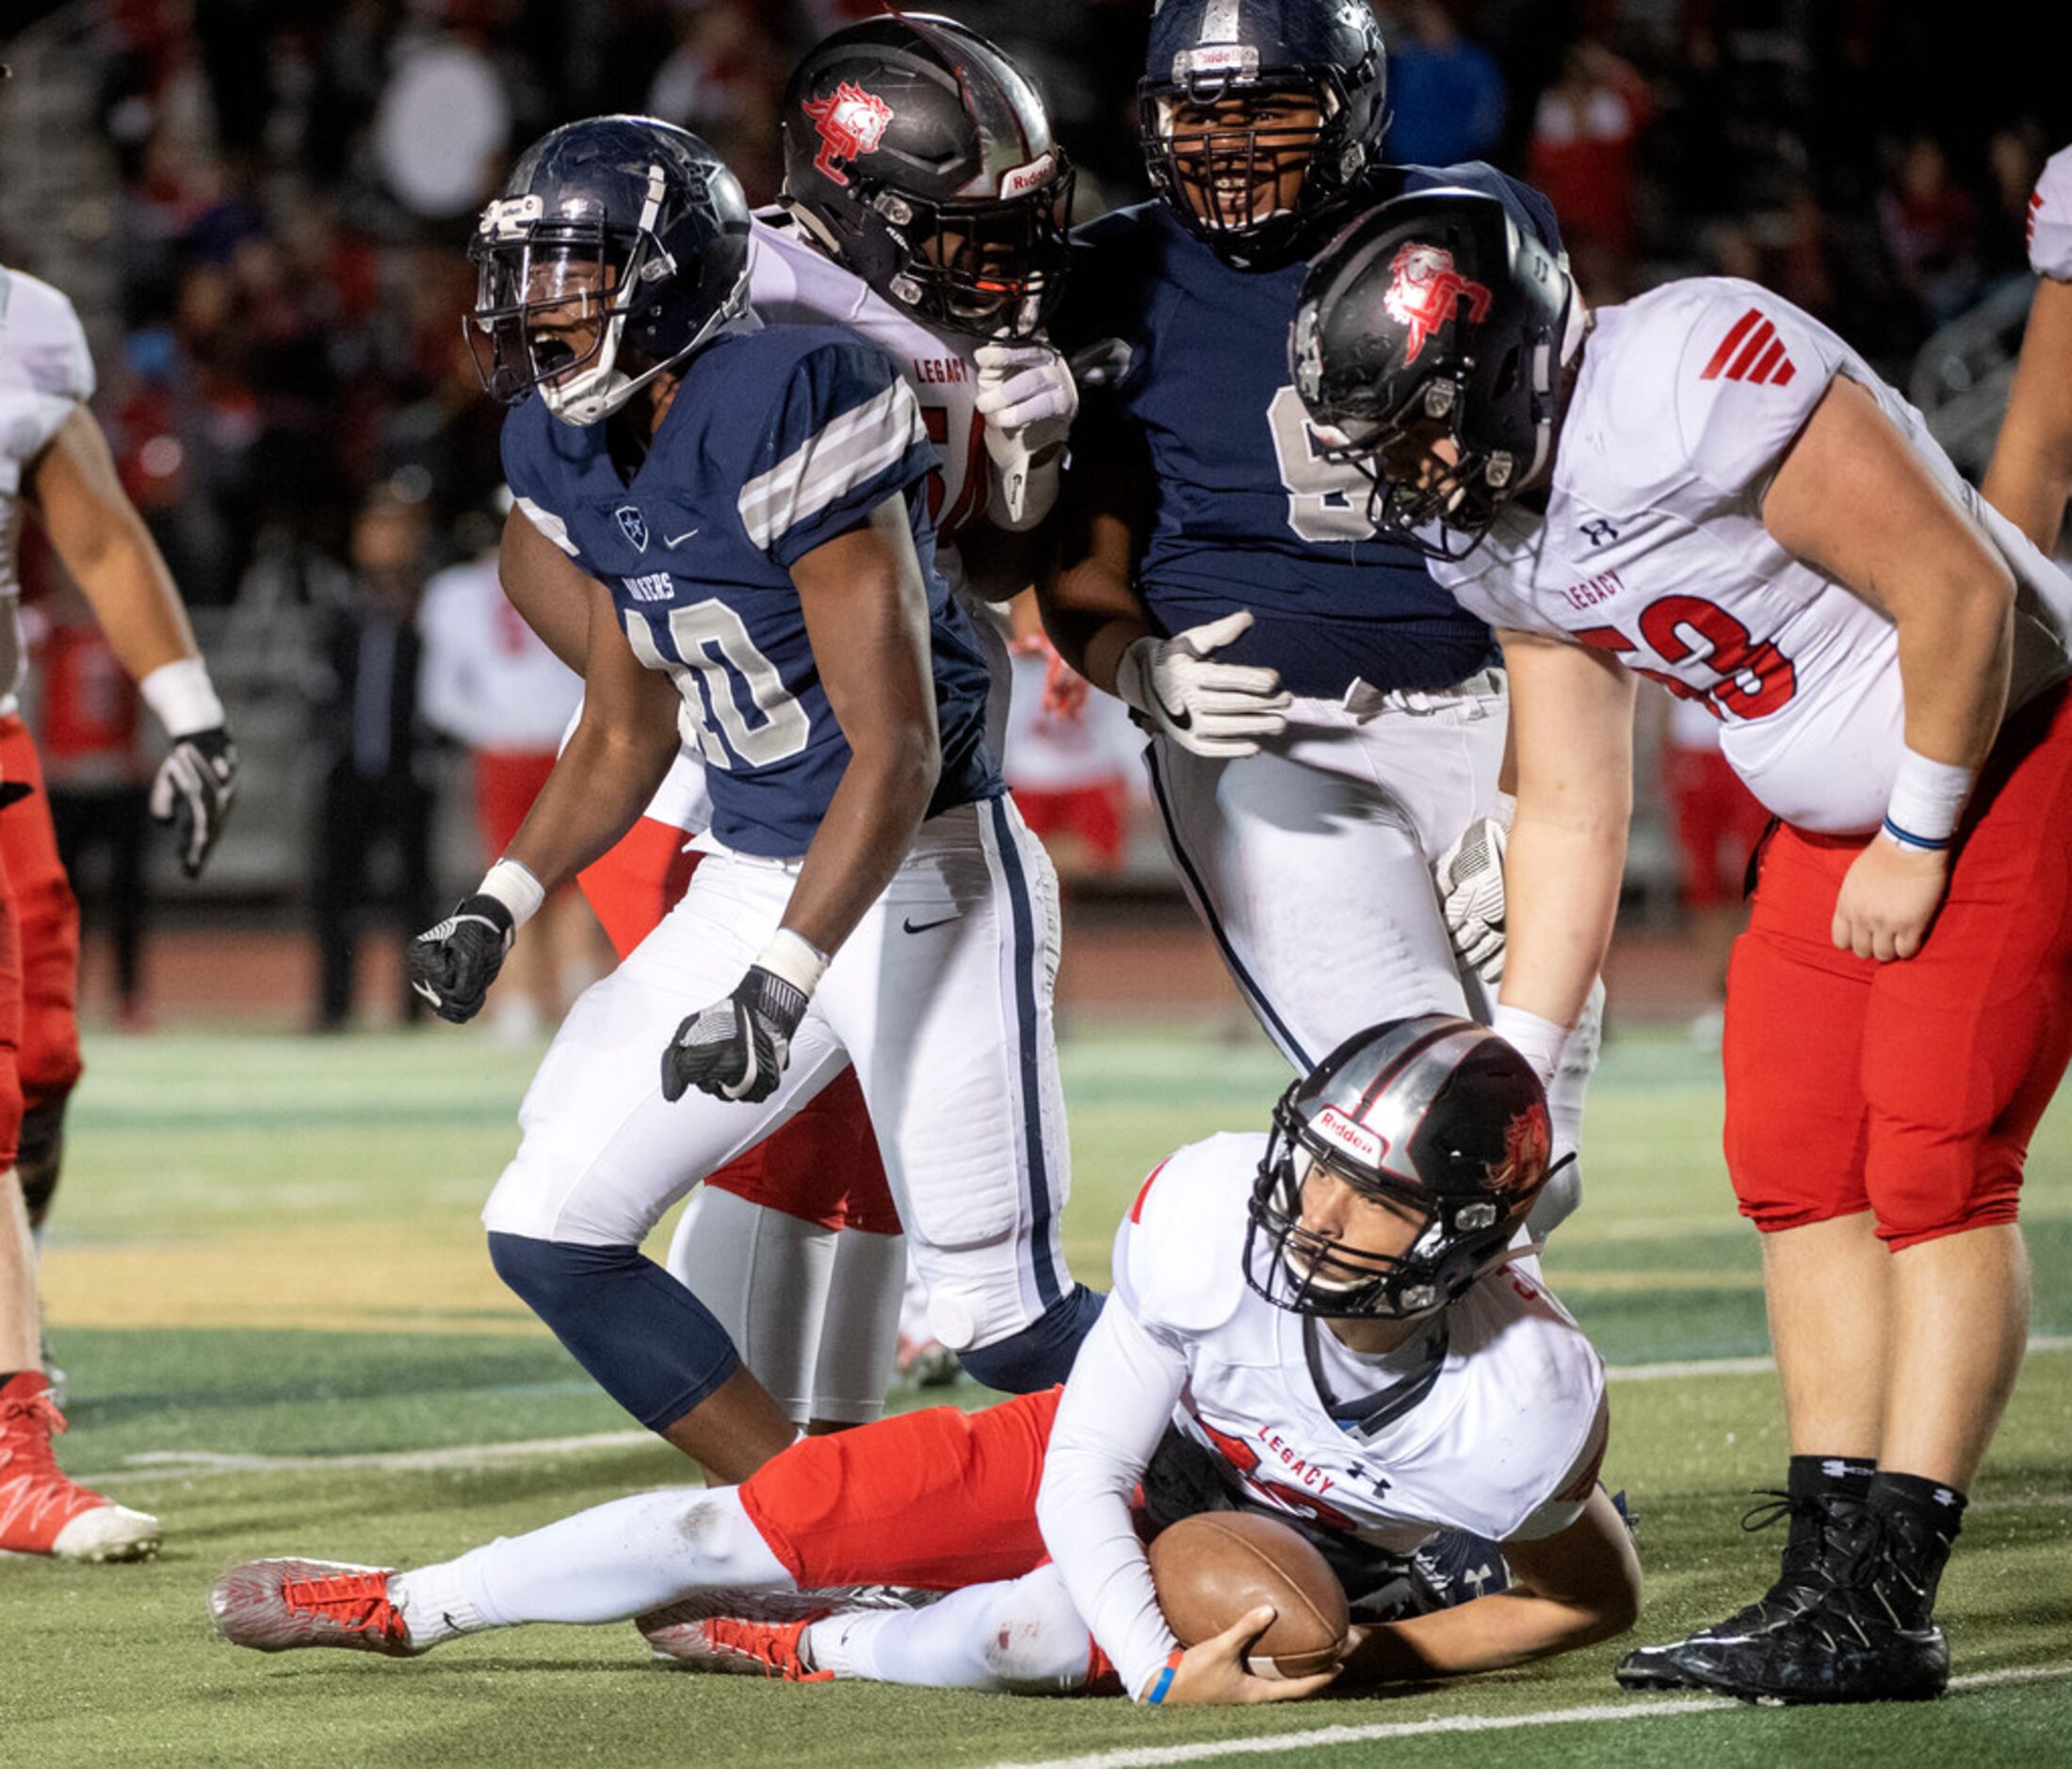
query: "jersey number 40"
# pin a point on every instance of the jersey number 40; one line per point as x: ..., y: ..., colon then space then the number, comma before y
x: 717, y: 655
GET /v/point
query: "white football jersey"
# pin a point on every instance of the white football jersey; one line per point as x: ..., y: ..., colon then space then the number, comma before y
x: 792, y: 283
x: 1490, y: 1420
x: 45, y: 374
x: 2050, y: 219
x: 1652, y: 547
x: 486, y: 678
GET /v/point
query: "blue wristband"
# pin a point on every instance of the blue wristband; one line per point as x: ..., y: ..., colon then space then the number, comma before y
x: 1164, y: 1680
x: 1907, y: 838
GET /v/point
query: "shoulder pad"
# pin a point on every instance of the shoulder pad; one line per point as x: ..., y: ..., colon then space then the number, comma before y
x: 1179, y: 1254
x: 2050, y: 220
x: 42, y: 346
x: 1744, y: 369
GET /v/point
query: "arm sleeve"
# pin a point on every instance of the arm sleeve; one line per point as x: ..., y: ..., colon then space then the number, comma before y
x: 52, y: 371
x: 2050, y: 220
x: 1576, y: 1485
x: 844, y: 434
x: 1117, y: 1406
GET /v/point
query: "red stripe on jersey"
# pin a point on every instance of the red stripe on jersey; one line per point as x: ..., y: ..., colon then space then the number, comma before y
x: 1758, y: 341
x: 1783, y: 377
x: 1770, y: 358
x: 1726, y: 345
x: 1137, y: 1210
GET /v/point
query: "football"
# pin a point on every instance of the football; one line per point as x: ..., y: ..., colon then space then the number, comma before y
x: 1211, y: 1569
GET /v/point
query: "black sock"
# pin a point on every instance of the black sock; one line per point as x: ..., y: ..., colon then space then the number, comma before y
x: 1831, y: 1477
x: 1924, y: 1517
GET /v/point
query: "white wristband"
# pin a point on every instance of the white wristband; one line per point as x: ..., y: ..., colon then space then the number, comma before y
x: 796, y: 959
x: 1928, y: 798
x: 512, y: 884
x: 182, y: 697
x: 1538, y: 1041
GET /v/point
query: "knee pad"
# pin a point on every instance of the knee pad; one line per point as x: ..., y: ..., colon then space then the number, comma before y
x: 1034, y: 1641
x: 1041, y: 1353
x: 41, y: 1154
x: 651, y: 1345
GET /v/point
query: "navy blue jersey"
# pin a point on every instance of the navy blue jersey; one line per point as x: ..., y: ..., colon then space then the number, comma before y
x: 778, y: 441
x: 1246, y: 511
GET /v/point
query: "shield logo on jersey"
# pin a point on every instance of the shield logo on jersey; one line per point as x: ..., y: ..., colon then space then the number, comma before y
x: 1424, y: 291
x: 851, y: 122
x: 633, y: 525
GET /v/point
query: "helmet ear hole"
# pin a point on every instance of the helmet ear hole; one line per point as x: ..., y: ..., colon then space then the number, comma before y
x: 1507, y: 373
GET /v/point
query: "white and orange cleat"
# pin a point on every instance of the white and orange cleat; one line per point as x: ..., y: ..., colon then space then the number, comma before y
x: 277, y: 1605
x: 41, y: 1510
x: 712, y: 1633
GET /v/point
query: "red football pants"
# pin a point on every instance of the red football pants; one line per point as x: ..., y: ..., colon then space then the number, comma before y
x: 1909, y: 1089
x: 47, y: 917
x: 822, y: 1164
x: 937, y: 1499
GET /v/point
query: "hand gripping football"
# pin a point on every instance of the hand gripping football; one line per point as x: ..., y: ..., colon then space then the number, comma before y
x: 1210, y: 1568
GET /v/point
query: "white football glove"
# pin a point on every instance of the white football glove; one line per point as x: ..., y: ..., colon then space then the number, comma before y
x: 1470, y: 877
x: 1211, y: 708
x: 1028, y: 399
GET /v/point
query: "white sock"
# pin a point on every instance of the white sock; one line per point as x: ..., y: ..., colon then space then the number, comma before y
x: 765, y: 1275
x: 608, y: 1564
x: 860, y: 1333
x: 1021, y: 1636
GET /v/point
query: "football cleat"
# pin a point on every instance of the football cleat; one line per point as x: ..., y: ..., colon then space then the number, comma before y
x: 277, y: 1605
x: 1821, y: 1529
x: 41, y: 1510
x: 731, y: 1646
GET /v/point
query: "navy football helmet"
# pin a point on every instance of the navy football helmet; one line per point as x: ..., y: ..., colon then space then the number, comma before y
x: 1435, y: 1115
x: 922, y: 158
x: 617, y: 245
x: 1259, y: 56
x: 1435, y: 318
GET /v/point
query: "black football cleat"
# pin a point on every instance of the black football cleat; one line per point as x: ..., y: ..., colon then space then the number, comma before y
x: 1820, y: 1531
x: 1867, y: 1636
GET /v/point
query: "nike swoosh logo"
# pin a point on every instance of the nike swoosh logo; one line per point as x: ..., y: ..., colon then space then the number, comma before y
x: 909, y: 925
x: 677, y: 539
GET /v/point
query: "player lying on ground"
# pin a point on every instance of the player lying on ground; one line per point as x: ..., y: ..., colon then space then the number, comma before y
x: 1320, y: 1324
x: 1709, y: 487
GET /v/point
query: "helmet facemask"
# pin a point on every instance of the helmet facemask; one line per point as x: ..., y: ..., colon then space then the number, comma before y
x: 553, y: 301
x: 989, y: 267
x: 1305, y: 1271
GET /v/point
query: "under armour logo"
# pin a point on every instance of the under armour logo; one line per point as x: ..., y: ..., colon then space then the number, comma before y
x: 1599, y: 533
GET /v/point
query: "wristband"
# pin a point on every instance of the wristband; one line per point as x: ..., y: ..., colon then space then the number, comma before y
x: 1928, y: 797
x: 1538, y: 1041
x: 795, y: 959
x: 512, y: 884
x: 182, y: 696
x: 1164, y: 1679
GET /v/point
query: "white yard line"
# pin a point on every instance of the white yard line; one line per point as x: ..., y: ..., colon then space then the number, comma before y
x: 1326, y: 1737
x: 161, y: 1464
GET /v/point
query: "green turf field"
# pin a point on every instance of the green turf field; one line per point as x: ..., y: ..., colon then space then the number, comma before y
x: 283, y: 1337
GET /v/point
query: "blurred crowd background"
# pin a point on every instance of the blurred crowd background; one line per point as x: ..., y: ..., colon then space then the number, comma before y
x: 260, y: 208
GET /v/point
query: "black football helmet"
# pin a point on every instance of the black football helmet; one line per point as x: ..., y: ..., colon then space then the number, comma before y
x: 1435, y: 318
x: 921, y: 156
x: 619, y: 246
x: 1326, y: 53
x: 1435, y: 1113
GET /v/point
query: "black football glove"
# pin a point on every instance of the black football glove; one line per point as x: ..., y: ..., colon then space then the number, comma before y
x: 736, y: 1049
x: 193, y: 789
x: 453, y: 965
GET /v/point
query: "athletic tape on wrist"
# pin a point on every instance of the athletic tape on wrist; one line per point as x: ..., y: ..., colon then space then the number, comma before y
x: 181, y: 697
x: 1164, y: 1679
x: 1928, y: 797
x: 512, y: 884
x: 1537, y: 1040
x: 796, y: 959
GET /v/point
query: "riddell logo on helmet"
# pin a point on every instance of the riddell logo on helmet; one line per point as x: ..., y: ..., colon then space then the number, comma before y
x: 1424, y: 291
x: 1021, y: 180
x: 1335, y: 1126
x: 851, y: 122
